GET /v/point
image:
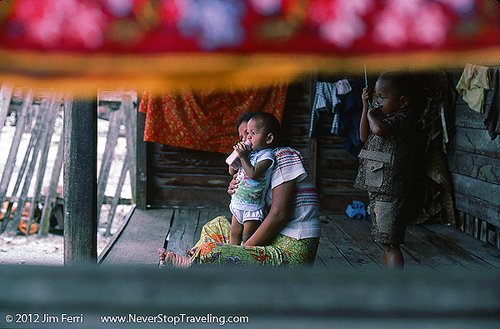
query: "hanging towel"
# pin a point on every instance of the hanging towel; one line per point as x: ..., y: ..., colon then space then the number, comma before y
x: 343, y: 87
x: 492, y: 120
x: 472, y: 85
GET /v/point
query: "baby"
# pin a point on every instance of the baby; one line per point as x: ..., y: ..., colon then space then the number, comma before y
x: 248, y: 202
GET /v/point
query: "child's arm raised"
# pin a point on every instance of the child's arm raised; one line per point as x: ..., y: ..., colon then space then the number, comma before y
x: 377, y: 126
x: 364, y: 127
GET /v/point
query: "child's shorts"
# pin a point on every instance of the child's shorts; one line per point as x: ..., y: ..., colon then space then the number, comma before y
x: 389, y: 217
x: 244, y: 215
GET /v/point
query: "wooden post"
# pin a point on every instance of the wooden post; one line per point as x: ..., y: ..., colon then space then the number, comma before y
x: 141, y: 163
x: 80, y: 183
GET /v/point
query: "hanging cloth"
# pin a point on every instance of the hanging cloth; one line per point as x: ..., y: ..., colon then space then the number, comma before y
x: 205, y: 120
x: 472, y: 85
x: 492, y: 120
x: 325, y: 99
x: 343, y: 87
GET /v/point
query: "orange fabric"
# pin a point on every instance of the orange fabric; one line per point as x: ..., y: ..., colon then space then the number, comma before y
x: 205, y: 120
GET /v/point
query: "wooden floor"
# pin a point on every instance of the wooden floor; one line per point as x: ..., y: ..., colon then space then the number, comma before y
x: 344, y: 243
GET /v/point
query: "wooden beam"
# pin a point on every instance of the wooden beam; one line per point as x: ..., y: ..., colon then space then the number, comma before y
x: 80, y: 182
x: 141, y: 163
x: 270, y: 298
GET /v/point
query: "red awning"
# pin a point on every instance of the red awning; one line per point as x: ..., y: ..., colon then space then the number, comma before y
x: 85, y: 45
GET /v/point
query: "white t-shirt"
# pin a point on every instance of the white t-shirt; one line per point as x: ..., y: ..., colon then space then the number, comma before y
x: 304, y: 223
x: 251, y: 193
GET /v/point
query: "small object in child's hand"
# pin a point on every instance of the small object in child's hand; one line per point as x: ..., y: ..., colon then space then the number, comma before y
x: 233, y: 160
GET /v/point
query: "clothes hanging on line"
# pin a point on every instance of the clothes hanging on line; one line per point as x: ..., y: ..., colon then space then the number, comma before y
x: 492, y: 121
x: 350, y: 114
x: 343, y: 87
x: 472, y: 85
x: 343, y: 99
x: 325, y: 99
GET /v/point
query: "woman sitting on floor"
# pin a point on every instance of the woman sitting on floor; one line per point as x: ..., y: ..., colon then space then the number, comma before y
x: 289, y: 234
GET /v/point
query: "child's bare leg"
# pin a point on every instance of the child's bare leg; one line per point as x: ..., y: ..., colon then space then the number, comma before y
x: 249, y: 228
x: 393, y: 257
x: 236, y: 232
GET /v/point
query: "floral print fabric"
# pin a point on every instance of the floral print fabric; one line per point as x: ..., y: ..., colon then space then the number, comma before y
x: 214, y: 248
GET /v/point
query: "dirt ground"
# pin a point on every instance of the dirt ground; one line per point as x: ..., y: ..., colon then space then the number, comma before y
x: 31, y: 250
x: 19, y: 249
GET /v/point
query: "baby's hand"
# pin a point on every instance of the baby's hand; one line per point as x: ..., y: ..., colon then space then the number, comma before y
x: 241, y: 149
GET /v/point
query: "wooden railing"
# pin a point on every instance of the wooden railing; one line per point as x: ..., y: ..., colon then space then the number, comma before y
x: 38, y: 117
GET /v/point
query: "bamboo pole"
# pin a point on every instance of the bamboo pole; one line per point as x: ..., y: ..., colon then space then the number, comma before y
x: 131, y: 126
x: 5, y: 98
x: 44, y: 110
x: 14, y: 147
x: 114, y: 202
x: 51, y: 197
x: 42, y: 163
x: 32, y: 146
x: 115, y: 120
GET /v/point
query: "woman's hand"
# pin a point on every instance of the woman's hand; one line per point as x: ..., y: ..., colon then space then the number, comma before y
x: 233, y: 185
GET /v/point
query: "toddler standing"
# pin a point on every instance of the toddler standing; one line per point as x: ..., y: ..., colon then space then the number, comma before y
x: 385, y: 161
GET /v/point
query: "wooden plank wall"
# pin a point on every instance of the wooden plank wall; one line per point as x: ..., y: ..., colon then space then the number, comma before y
x: 474, y: 162
x: 337, y: 170
x: 181, y: 177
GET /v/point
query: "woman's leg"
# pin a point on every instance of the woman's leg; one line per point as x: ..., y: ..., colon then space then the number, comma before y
x: 214, y: 248
x: 283, y: 251
x: 215, y: 231
x: 170, y: 259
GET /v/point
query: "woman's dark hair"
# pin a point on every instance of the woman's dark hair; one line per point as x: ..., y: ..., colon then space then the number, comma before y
x: 244, y: 117
x: 271, y: 124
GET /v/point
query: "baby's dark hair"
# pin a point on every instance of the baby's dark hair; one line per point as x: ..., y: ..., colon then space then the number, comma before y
x: 402, y: 83
x: 271, y: 125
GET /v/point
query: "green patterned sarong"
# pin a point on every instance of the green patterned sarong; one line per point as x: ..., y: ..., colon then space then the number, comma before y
x: 214, y: 247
